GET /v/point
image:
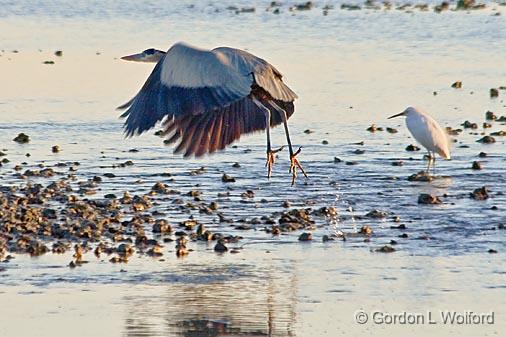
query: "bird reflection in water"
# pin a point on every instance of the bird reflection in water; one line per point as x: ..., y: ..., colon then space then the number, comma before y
x: 262, y: 305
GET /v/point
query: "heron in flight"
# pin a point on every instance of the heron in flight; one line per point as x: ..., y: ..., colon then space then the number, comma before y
x: 208, y: 98
x: 427, y: 132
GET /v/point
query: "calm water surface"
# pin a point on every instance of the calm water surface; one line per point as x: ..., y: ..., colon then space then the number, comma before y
x: 351, y: 69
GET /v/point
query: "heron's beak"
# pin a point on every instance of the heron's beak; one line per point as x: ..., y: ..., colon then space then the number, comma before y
x: 398, y: 115
x: 140, y: 57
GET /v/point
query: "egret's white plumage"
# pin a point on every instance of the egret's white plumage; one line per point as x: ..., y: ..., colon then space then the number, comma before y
x: 426, y: 131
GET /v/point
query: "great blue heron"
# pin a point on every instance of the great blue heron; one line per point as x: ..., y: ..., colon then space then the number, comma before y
x: 427, y: 132
x: 208, y: 98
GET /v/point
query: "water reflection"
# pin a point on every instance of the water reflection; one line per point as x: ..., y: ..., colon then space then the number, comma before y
x: 262, y: 304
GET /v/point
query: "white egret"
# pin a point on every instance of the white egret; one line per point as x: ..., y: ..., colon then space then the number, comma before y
x: 427, y: 132
x: 208, y: 98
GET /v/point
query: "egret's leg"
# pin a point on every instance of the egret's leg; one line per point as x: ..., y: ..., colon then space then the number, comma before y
x: 434, y: 163
x: 271, y: 155
x: 294, y: 162
x: 428, y: 163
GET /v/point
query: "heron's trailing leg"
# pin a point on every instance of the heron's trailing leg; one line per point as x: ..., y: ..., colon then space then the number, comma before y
x: 294, y: 162
x: 271, y: 154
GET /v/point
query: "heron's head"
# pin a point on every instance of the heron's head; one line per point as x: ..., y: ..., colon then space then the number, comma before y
x: 149, y: 55
x: 407, y: 111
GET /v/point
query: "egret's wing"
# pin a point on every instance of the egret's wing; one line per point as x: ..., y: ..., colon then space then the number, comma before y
x: 429, y: 133
x: 186, y: 81
x: 214, y: 130
x: 438, y: 138
x: 265, y: 75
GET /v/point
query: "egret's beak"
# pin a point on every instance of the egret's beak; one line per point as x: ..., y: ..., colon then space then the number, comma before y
x: 399, y: 114
x: 140, y: 57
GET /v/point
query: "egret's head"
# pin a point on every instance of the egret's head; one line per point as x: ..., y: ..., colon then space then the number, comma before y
x: 406, y: 112
x: 149, y: 55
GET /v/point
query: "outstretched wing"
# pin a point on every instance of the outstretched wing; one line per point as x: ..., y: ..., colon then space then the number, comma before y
x: 186, y: 81
x: 204, y: 98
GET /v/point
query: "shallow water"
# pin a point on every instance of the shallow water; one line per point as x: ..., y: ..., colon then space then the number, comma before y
x: 350, y: 69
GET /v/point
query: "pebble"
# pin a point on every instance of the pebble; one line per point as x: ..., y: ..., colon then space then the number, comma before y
x: 125, y: 249
x: 501, y: 133
x: 469, y: 125
x: 420, y: 176
x: 376, y: 214
x: 327, y: 238
x: 220, y: 247
x: 162, y: 226
x: 385, y: 249
x: 365, y: 230
x: 227, y: 178
x: 306, y: 237
x: 486, y: 140
x: 428, y: 199
x: 372, y: 128
x: 155, y: 251
x: 476, y: 165
x: 304, y: 6
x: 490, y: 116
x: 480, y: 193
x: 457, y: 84
x: 412, y: 147
x: 22, y: 138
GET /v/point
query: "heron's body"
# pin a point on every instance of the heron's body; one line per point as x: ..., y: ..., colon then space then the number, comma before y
x: 208, y: 98
x: 427, y: 132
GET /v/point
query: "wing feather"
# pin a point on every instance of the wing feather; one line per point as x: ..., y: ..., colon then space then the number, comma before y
x: 215, y: 130
x: 265, y: 75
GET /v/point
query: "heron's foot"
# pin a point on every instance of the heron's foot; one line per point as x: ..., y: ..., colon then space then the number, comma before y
x: 294, y: 164
x: 271, y: 158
